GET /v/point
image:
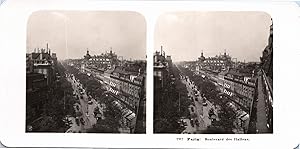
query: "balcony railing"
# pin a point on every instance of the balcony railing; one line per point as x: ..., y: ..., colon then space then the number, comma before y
x: 267, y: 85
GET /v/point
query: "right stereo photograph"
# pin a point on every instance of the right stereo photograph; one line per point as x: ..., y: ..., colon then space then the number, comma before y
x: 213, y: 73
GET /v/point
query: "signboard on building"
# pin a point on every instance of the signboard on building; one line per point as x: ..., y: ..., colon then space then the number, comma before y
x: 113, y: 91
x: 228, y: 92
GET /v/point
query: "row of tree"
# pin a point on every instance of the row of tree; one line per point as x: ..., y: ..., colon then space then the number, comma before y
x: 226, y: 114
x: 112, y: 115
x: 58, y: 104
x: 171, y: 104
x: 111, y: 122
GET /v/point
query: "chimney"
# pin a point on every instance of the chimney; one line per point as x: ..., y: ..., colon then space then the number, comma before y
x: 161, y: 49
x: 47, y: 47
x: 41, y: 56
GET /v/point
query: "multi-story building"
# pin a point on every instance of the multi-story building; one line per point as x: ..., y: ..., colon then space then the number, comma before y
x: 240, y: 87
x: 35, y: 81
x: 169, y: 60
x: 262, y: 118
x: 40, y: 75
x: 267, y: 55
x: 123, y: 79
x: 267, y: 66
x: 128, y: 86
x: 217, y: 64
x: 41, y: 61
x: 140, y: 126
x: 125, y: 83
x: 104, y: 60
x: 161, y: 65
x: 36, y: 95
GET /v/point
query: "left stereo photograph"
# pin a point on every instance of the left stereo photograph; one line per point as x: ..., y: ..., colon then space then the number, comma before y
x: 86, y: 72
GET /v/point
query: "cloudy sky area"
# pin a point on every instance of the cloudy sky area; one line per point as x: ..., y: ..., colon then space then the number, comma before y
x: 184, y: 35
x: 70, y: 33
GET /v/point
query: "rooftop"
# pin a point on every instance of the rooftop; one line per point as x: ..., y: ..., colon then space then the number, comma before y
x: 237, y: 72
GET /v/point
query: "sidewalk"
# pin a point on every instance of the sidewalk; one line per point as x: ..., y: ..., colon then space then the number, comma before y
x: 261, y: 124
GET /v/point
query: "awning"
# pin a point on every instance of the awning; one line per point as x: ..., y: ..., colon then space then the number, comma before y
x: 126, y: 112
x: 130, y: 117
x: 245, y: 117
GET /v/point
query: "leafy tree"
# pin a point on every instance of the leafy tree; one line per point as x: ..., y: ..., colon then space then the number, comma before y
x: 171, y: 103
x: 226, y: 114
x: 58, y: 103
x: 111, y: 123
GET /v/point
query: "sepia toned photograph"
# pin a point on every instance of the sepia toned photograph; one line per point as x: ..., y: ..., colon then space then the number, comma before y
x: 86, y: 72
x: 213, y: 73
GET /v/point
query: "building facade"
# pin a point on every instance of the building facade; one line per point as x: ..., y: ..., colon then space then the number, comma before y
x: 263, y: 119
x: 217, y: 64
x: 104, y: 60
x: 40, y: 76
x: 124, y: 80
x: 127, y: 86
x: 41, y: 61
x: 161, y: 65
x: 240, y: 87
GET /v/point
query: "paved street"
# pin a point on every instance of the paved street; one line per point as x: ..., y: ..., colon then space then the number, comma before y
x: 201, y: 110
x: 86, y: 109
x: 198, y: 110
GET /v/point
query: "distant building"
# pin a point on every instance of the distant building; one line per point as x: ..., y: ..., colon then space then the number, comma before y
x: 218, y: 63
x: 201, y: 59
x: 87, y: 56
x: 104, y: 60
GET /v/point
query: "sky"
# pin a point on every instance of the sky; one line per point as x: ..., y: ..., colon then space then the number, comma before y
x: 184, y: 35
x: 70, y: 33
